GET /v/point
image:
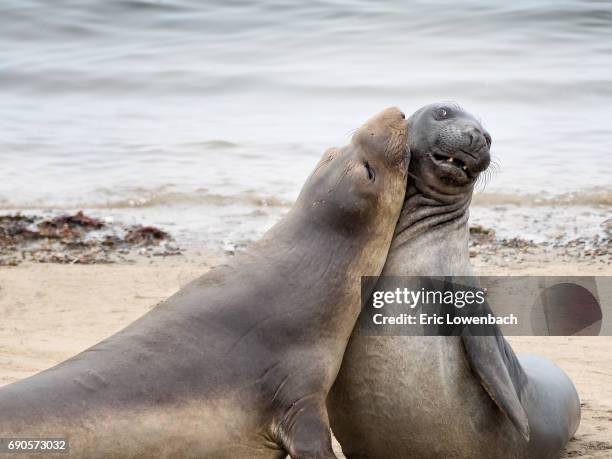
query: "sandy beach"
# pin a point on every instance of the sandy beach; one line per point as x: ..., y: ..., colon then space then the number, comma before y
x: 51, y: 312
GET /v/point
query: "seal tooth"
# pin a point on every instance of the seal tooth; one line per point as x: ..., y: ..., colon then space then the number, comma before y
x: 464, y: 168
x: 450, y: 160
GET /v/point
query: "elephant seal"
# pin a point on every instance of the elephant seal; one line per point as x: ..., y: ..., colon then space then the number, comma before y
x: 239, y: 362
x: 446, y: 396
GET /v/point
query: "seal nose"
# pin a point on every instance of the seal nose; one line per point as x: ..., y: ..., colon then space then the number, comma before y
x: 487, y: 137
x: 478, y: 137
x: 478, y: 142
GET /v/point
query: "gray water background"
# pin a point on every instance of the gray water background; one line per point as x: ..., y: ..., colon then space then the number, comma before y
x: 206, y: 117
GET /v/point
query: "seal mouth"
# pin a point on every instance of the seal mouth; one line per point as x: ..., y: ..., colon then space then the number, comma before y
x: 453, y: 165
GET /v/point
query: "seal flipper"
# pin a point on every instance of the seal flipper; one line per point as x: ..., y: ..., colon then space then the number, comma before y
x: 501, y: 375
x: 304, y: 431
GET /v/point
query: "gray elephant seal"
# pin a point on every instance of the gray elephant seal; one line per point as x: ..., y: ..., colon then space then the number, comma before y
x: 435, y: 396
x: 239, y: 362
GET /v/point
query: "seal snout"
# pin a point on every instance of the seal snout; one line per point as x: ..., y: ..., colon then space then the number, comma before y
x: 478, y: 154
x: 464, y: 149
x: 384, y: 136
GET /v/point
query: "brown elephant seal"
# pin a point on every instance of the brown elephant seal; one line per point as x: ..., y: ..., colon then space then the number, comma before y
x: 239, y: 362
x: 446, y: 396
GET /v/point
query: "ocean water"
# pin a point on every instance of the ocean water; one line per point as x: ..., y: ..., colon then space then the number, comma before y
x: 206, y: 117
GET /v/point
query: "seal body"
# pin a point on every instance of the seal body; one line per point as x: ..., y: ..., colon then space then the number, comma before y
x: 446, y: 396
x: 239, y: 362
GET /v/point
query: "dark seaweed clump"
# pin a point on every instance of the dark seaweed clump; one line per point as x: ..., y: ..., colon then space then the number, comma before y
x: 77, y: 238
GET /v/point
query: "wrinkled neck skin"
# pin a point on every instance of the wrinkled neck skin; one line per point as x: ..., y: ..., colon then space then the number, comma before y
x: 432, y: 234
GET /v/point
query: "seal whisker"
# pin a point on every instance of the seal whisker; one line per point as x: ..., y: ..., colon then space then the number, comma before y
x: 481, y: 181
x: 495, y: 163
x: 350, y: 133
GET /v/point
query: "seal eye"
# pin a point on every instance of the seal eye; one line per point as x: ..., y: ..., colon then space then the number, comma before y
x: 370, y: 171
x: 441, y: 113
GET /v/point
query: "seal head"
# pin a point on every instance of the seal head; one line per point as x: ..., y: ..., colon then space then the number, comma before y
x: 450, y: 148
x: 362, y: 177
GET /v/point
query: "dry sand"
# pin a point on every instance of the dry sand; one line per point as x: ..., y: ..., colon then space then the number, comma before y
x: 50, y: 312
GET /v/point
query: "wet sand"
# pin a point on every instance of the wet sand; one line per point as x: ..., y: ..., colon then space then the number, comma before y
x: 51, y: 312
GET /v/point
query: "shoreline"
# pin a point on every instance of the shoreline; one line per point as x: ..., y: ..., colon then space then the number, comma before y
x: 78, y: 238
